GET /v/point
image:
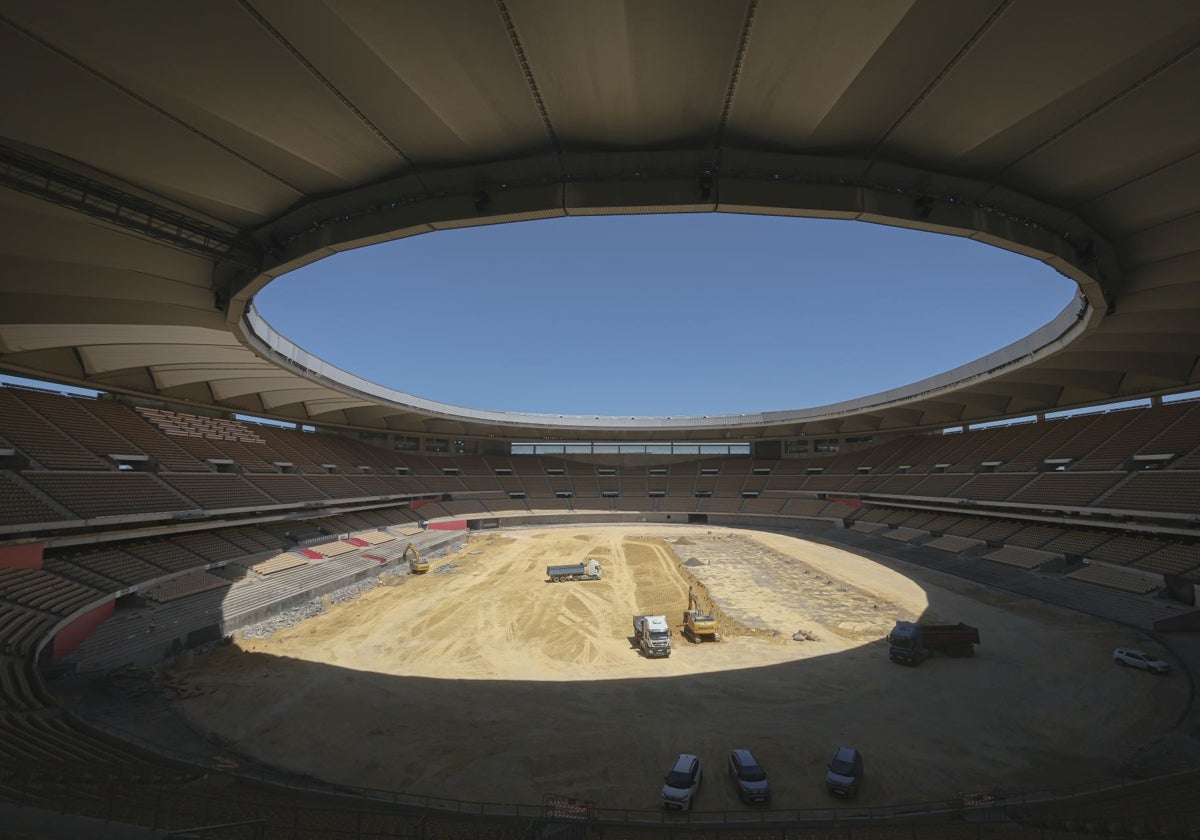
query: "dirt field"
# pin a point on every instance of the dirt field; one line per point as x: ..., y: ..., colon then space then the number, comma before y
x: 489, y: 683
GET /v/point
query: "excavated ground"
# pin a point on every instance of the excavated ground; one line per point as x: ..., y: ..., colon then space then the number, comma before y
x: 490, y: 683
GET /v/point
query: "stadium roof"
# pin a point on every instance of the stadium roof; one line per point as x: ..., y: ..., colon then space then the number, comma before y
x: 161, y: 162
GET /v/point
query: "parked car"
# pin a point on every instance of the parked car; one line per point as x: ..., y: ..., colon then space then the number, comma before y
x: 750, y: 778
x: 845, y: 772
x: 681, y: 782
x: 1140, y: 659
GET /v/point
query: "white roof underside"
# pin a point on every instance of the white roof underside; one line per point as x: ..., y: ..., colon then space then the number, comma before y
x: 160, y: 162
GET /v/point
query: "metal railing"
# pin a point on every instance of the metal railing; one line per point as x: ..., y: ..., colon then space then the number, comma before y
x: 187, y: 812
x: 980, y: 806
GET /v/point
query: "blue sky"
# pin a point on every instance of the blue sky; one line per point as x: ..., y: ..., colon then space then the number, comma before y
x: 662, y: 315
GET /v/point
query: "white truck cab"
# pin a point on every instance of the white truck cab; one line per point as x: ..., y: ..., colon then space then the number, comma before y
x: 653, y: 635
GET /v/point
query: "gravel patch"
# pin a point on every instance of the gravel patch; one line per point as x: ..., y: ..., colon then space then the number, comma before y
x: 314, y: 607
x: 318, y: 605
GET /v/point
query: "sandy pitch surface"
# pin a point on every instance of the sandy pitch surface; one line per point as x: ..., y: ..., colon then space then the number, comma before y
x: 491, y: 684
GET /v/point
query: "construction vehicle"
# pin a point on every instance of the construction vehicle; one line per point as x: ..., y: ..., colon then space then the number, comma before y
x: 699, y: 628
x: 653, y: 635
x: 576, y: 571
x: 416, y: 565
x: 910, y: 643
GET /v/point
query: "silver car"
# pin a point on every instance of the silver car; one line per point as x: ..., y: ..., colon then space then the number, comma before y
x: 1140, y: 659
x: 681, y: 783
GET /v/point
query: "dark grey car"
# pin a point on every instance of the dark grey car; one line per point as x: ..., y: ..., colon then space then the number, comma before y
x: 845, y: 772
x: 750, y: 778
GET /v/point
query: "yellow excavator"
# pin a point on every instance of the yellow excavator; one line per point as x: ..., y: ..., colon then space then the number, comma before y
x: 699, y: 628
x: 416, y: 565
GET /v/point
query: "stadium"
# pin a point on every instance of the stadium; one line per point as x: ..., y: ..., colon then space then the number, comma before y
x: 210, y: 625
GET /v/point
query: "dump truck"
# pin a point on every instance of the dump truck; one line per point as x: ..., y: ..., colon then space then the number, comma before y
x: 697, y: 627
x: 911, y: 643
x: 576, y: 571
x: 653, y: 635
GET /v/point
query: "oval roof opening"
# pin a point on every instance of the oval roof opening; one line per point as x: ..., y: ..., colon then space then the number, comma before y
x: 662, y: 315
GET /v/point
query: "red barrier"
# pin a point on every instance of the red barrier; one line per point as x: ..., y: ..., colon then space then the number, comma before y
x: 72, y: 636
x: 420, y: 503
x: 854, y: 503
x: 27, y: 556
x: 450, y: 525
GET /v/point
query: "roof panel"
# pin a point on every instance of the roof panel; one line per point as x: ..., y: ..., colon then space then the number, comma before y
x: 102, y: 358
x: 923, y: 43
x: 74, y: 113
x: 259, y: 381
x: 34, y: 229
x: 1112, y: 147
x: 451, y: 88
x: 267, y: 106
x: 1154, y: 198
x: 801, y: 60
x: 38, y: 336
x: 1036, y: 69
x: 221, y: 375
x: 631, y: 74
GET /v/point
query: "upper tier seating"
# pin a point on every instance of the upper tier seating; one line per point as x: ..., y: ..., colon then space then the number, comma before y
x: 193, y: 425
x: 1133, y: 437
x: 1067, y: 489
x: 336, y: 486
x: 90, y: 495
x: 41, y: 441
x: 894, y: 485
x: 72, y: 417
x: 1045, y: 439
x: 217, y: 491
x: 19, y: 506
x: 1181, y: 438
x: 1157, y: 490
x: 134, y: 428
x: 994, y: 487
x: 939, y: 485
x: 373, y: 485
x: 286, y: 488
x: 1093, y: 455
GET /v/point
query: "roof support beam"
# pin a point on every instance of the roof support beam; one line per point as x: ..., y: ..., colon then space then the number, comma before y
x: 41, y: 179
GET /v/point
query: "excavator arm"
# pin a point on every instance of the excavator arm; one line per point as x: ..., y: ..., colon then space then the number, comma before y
x: 416, y: 565
x: 699, y: 626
